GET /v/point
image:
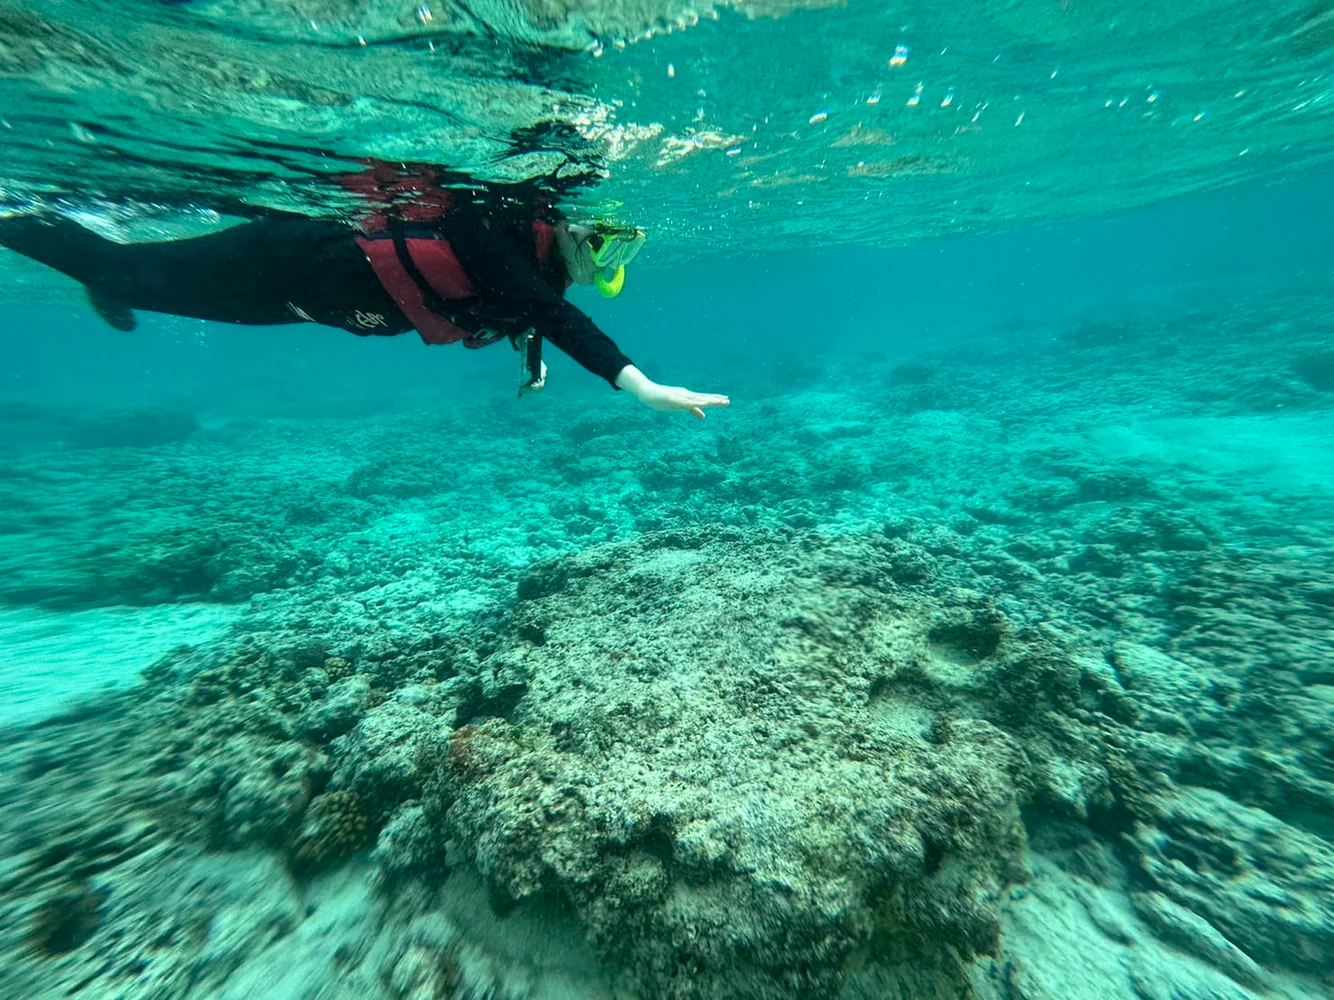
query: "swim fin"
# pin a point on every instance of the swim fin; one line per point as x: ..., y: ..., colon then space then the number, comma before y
x: 114, y: 313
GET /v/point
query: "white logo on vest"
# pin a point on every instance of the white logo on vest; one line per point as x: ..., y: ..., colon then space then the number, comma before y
x: 369, y: 321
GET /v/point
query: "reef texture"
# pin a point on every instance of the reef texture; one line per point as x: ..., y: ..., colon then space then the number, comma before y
x: 980, y: 685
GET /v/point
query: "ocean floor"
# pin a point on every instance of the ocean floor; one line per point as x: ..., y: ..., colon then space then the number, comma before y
x: 55, y: 659
x: 1004, y: 672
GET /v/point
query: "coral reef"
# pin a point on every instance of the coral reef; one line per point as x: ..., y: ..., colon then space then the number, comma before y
x: 899, y: 700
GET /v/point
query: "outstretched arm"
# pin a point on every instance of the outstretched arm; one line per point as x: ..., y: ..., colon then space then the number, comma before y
x: 515, y: 296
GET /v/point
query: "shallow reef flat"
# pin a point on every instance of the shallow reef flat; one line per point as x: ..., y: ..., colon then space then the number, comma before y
x: 980, y: 675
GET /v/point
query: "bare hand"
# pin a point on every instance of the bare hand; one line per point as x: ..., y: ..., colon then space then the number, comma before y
x: 667, y: 397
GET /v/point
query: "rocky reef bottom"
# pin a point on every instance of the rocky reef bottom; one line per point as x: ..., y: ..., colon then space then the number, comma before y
x: 1004, y: 680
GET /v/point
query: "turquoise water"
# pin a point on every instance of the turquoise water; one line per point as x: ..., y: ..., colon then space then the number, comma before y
x: 983, y: 649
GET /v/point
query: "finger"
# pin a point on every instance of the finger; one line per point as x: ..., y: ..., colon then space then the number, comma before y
x: 708, y: 399
x: 697, y: 412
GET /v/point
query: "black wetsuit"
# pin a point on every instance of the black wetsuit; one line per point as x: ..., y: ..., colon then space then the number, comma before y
x: 291, y: 269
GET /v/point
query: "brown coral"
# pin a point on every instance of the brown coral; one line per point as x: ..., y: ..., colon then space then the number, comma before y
x: 462, y: 754
x: 334, y: 827
x: 337, y: 668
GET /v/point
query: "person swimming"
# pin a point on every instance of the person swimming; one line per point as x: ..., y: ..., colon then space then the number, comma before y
x: 475, y: 266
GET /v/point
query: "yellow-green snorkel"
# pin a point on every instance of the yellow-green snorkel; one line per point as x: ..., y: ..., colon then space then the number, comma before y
x: 610, y: 249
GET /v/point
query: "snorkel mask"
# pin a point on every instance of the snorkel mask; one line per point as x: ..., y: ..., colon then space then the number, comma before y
x: 611, y: 249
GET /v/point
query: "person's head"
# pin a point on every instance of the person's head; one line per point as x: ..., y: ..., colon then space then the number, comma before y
x: 597, y: 255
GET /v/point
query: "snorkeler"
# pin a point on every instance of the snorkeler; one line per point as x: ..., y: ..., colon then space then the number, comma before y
x: 456, y: 265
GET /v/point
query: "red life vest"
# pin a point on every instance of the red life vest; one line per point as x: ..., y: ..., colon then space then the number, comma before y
x: 416, y: 269
x: 434, y: 262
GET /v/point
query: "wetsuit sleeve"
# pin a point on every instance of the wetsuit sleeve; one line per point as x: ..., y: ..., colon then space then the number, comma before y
x: 513, y: 297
